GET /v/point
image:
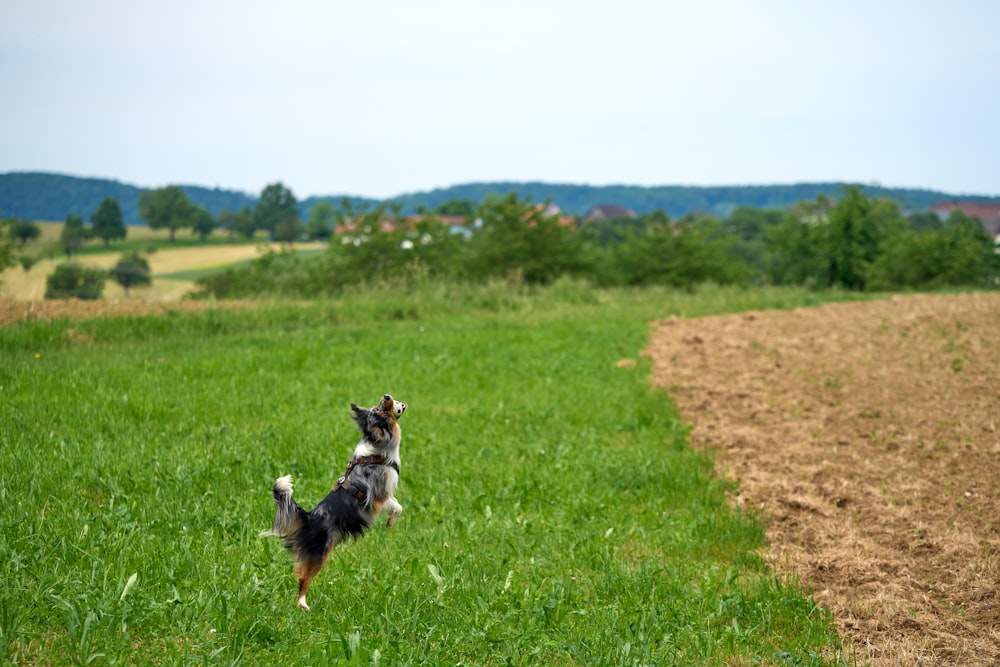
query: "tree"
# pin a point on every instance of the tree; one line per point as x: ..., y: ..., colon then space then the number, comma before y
x: 517, y: 240
x: 924, y: 220
x: 202, y: 222
x: 605, y: 231
x: 277, y: 205
x: 749, y: 226
x: 796, y: 247
x: 107, y: 221
x: 166, y: 208
x: 23, y: 231
x: 132, y: 270
x: 321, y: 217
x: 71, y: 281
x: 286, y: 231
x: 6, y: 246
x: 855, y: 235
x: 463, y: 207
x: 958, y: 252
x: 826, y: 244
x: 237, y: 222
x: 681, y: 254
x: 73, y: 235
x: 433, y: 247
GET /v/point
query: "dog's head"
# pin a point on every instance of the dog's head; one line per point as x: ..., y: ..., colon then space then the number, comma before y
x: 378, y: 423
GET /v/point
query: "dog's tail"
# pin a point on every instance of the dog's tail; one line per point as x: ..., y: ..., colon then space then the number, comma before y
x: 289, y: 518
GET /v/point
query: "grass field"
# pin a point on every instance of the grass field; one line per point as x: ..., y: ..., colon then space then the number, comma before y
x: 554, y: 512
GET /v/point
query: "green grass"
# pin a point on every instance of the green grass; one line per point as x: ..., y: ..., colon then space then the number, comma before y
x: 554, y: 512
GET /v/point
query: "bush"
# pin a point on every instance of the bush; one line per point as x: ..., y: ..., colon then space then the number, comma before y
x: 959, y: 252
x: 71, y: 281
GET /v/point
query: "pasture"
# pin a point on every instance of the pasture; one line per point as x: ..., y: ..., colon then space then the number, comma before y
x: 554, y: 510
x: 174, y: 266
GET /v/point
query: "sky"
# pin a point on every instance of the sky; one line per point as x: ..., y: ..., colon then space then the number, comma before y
x: 385, y: 97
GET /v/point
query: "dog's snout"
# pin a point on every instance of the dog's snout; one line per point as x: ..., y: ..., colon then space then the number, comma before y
x: 387, y: 397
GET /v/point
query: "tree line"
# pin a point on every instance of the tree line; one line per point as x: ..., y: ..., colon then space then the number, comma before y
x: 275, y: 212
x: 853, y: 241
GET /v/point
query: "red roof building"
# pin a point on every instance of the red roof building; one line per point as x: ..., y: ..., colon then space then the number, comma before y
x: 988, y: 213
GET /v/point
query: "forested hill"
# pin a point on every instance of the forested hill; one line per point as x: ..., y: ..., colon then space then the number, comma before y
x: 51, y: 197
x: 46, y: 196
x: 675, y: 200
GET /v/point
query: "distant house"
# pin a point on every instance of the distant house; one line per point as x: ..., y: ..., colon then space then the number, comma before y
x: 350, y: 226
x: 457, y: 224
x: 553, y: 211
x: 988, y: 213
x: 608, y: 212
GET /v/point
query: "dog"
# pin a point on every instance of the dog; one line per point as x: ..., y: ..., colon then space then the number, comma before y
x: 367, y: 487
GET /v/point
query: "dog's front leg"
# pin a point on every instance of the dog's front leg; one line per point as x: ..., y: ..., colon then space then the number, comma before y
x: 393, y: 509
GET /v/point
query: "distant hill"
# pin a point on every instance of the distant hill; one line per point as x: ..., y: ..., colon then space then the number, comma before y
x: 43, y: 196
x: 46, y: 196
x: 675, y: 200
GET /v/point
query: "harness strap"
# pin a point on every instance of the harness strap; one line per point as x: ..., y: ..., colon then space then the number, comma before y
x: 344, y: 483
x: 371, y: 460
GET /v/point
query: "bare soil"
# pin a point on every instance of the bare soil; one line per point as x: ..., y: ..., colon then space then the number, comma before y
x: 866, y: 435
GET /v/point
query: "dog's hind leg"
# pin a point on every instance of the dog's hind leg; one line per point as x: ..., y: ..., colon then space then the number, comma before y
x: 309, y: 565
x: 305, y: 571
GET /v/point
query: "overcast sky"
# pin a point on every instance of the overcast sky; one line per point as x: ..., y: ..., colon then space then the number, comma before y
x: 380, y: 98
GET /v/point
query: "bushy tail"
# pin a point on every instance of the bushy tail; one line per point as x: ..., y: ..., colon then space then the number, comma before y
x: 288, y: 517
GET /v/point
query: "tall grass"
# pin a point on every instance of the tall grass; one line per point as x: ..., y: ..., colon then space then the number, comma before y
x: 554, y: 513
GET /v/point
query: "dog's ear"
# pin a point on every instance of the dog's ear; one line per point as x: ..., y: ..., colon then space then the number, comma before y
x: 371, y: 422
x: 360, y: 416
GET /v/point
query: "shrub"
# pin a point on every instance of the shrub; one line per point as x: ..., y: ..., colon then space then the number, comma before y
x: 70, y: 280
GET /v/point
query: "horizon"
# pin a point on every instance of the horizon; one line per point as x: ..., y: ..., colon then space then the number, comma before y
x: 874, y: 184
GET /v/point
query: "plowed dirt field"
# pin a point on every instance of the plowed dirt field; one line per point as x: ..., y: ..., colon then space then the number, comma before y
x: 867, y: 437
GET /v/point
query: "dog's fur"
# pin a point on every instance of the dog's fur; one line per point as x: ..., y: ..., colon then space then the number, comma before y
x: 367, y: 487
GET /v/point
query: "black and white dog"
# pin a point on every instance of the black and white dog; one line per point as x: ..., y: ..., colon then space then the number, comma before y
x: 367, y: 487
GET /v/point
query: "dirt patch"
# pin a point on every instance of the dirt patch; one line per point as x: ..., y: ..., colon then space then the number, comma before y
x: 867, y: 435
x: 76, y: 309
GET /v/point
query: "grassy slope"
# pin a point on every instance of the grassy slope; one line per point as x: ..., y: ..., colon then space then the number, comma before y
x: 554, y: 513
x: 174, y: 266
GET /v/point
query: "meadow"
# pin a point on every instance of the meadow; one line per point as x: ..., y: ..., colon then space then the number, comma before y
x: 555, y: 512
x: 175, y: 265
